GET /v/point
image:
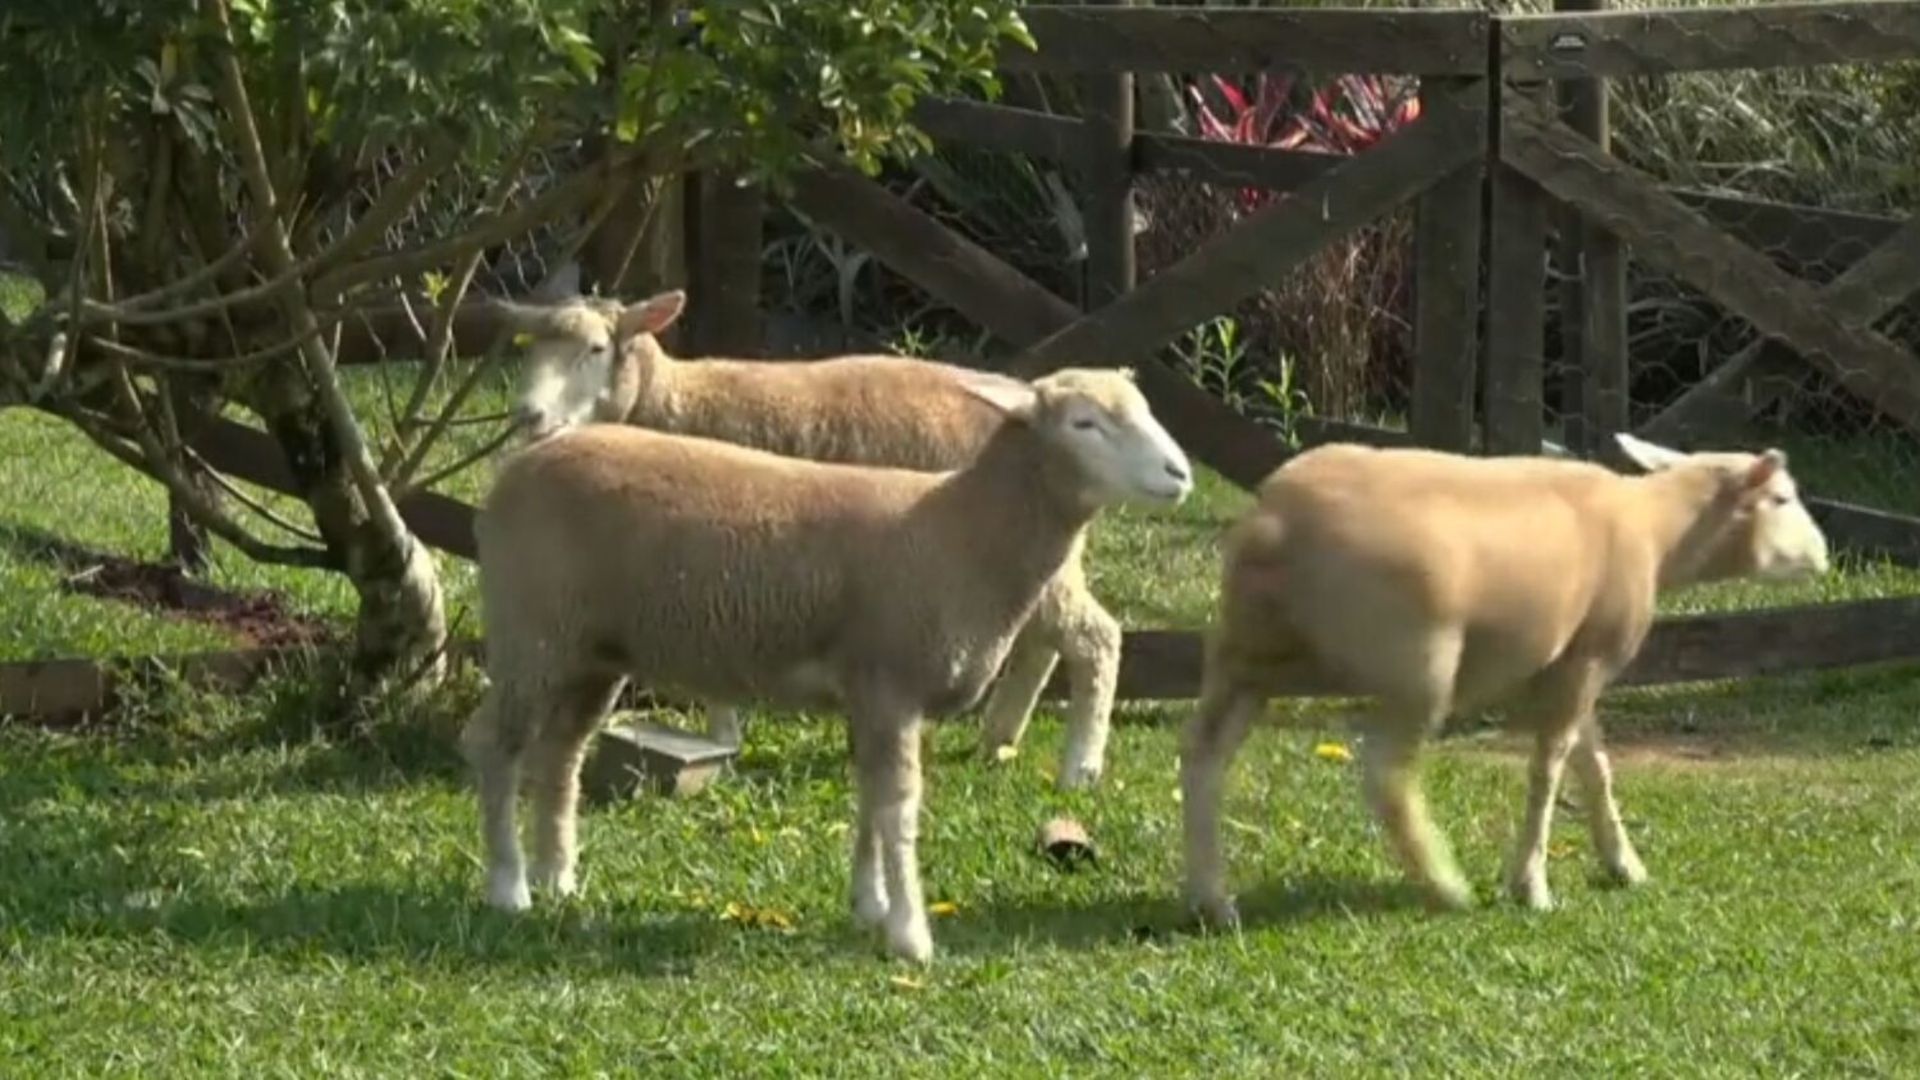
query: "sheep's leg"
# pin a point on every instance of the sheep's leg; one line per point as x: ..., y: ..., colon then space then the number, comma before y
x: 493, y: 741
x: 723, y: 723
x: 1562, y: 701
x: 1527, y: 874
x: 869, y: 881
x: 1022, y: 679
x: 1208, y: 743
x: 1389, y: 757
x: 1091, y: 650
x: 554, y: 776
x: 1595, y: 773
x: 887, y: 756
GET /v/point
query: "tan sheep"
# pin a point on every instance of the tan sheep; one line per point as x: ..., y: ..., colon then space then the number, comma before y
x: 593, y: 359
x: 695, y: 566
x: 1436, y: 584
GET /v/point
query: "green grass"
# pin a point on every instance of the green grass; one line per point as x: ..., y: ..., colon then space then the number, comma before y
x: 207, y: 890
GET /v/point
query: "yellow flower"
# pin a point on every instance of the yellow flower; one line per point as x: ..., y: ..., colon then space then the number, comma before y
x: 943, y: 908
x: 1333, y: 751
x: 906, y: 982
x: 1005, y: 753
x: 748, y: 915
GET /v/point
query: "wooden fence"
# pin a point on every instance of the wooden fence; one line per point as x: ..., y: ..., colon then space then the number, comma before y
x: 1512, y: 132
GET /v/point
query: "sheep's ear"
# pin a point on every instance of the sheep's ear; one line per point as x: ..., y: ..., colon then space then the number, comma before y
x: 652, y: 315
x: 1011, y: 396
x: 1132, y: 375
x: 1766, y: 467
x: 1648, y: 456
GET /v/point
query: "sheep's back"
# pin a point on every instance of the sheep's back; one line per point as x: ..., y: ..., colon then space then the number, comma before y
x: 689, y: 562
x: 1360, y: 551
x: 875, y: 410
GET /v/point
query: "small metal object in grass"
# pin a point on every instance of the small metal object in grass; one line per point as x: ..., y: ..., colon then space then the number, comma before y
x: 1064, y: 841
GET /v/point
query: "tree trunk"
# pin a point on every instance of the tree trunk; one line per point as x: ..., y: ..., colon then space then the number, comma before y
x: 400, y: 634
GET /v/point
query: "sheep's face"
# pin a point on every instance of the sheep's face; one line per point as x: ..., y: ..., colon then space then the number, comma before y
x: 1768, y: 532
x: 1102, y: 422
x: 574, y: 354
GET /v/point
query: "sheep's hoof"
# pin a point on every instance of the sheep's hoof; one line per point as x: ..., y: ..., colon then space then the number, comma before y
x: 1078, y: 777
x: 1627, y: 871
x: 1449, y: 896
x: 870, y: 909
x: 558, y: 882
x: 1531, y: 893
x: 911, y: 941
x: 509, y: 893
x: 1219, y: 913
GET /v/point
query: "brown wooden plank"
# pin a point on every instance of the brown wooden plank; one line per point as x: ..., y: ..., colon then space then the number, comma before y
x: 1599, y: 349
x: 962, y: 273
x: 1165, y: 665
x: 1680, y: 241
x: 1088, y: 39
x: 1017, y: 309
x: 1269, y: 243
x: 1870, y: 288
x: 1864, y: 530
x: 1446, y: 287
x: 1107, y: 165
x: 1567, y: 46
x: 1807, y: 637
x: 71, y: 688
x: 1230, y: 164
x: 1001, y: 127
x: 725, y: 295
x: 1516, y: 316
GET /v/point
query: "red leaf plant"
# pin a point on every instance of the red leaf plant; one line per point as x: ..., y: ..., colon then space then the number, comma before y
x: 1345, y: 117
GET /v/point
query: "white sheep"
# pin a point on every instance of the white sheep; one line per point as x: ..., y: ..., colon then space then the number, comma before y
x: 600, y: 360
x: 696, y: 566
x: 1436, y: 584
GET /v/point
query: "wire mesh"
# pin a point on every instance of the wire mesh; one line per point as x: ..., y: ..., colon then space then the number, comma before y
x: 1814, y: 168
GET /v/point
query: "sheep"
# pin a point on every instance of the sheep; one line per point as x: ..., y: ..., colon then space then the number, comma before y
x: 611, y: 552
x: 592, y: 359
x: 1435, y: 584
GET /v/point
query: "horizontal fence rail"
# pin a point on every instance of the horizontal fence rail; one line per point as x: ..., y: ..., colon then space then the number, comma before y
x: 1733, y: 37
x: 1388, y: 42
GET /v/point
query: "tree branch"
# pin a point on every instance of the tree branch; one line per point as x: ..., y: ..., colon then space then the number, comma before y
x: 485, y: 450
x: 142, y: 357
x: 278, y: 257
x: 151, y: 458
x: 563, y: 198
x: 238, y: 495
x: 403, y: 476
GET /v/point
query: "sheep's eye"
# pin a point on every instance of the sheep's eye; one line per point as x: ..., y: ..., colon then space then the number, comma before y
x: 597, y: 349
x: 1085, y: 423
x: 1779, y: 500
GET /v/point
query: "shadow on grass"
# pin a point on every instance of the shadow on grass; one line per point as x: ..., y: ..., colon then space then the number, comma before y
x: 259, y: 618
x: 1141, y: 918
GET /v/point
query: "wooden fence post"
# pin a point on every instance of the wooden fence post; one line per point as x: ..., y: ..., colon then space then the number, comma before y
x: 1594, y: 293
x: 724, y: 249
x: 1446, y: 288
x: 1515, y: 345
x: 1111, y: 269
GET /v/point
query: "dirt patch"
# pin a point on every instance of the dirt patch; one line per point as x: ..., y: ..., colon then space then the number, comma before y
x: 260, y: 618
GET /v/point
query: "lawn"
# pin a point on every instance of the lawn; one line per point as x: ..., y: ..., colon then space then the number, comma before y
x: 205, y: 886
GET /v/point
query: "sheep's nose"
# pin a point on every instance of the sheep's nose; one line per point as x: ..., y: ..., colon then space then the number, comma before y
x: 1178, y: 472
